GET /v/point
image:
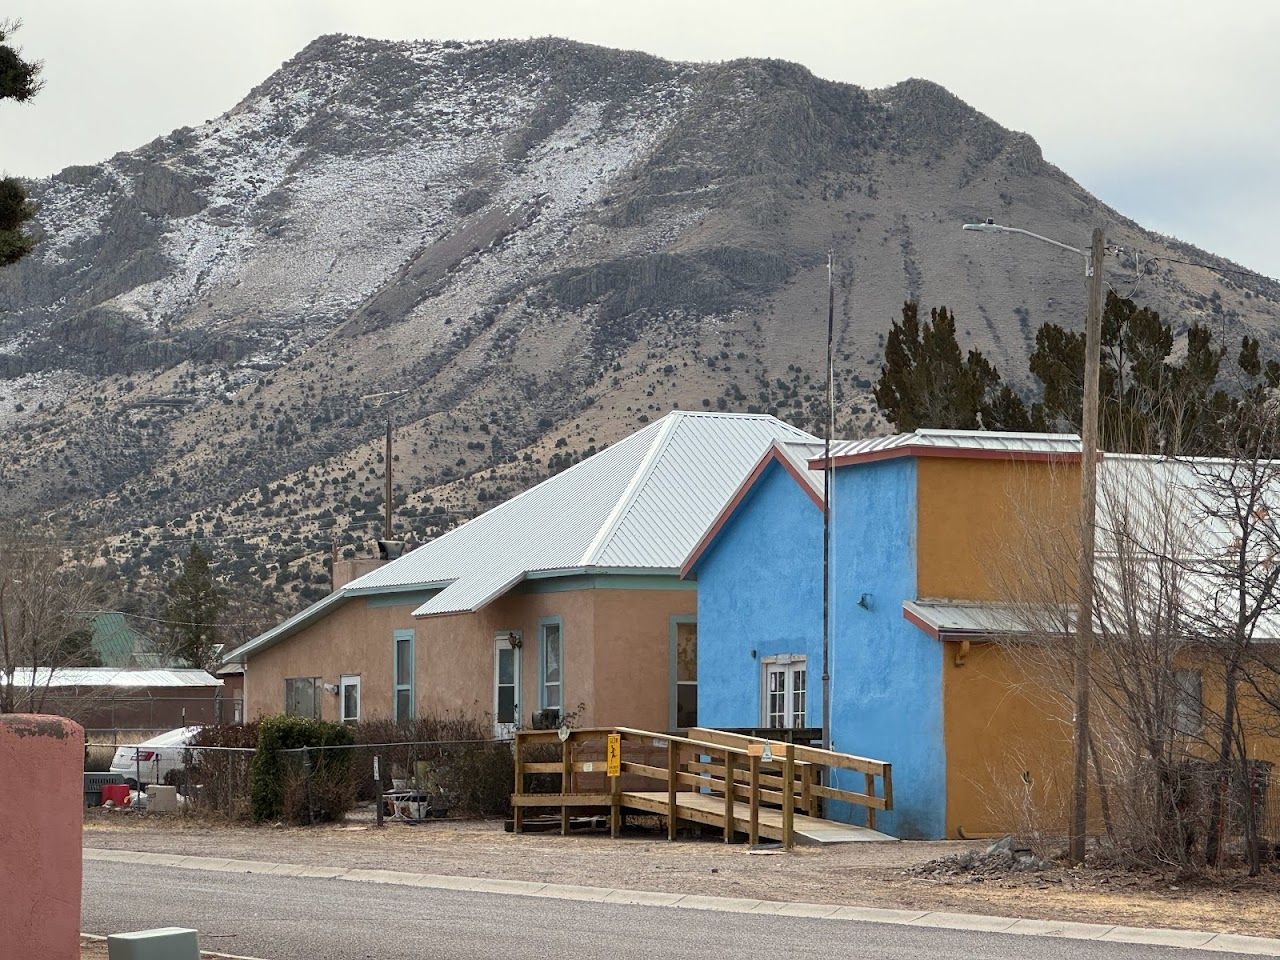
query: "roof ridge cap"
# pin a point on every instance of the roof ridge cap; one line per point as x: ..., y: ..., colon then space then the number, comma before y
x: 629, y: 495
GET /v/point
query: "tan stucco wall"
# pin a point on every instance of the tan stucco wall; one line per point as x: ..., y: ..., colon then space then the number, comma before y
x: 616, y: 655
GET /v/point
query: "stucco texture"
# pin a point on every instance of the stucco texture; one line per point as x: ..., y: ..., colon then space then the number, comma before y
x: 759, y: 594
x: 40, y: 822
x: 886, y: 681
x: 615, y: 640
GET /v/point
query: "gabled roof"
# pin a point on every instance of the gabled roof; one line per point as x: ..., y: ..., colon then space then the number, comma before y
x: 638, y: 507
x: 976, y: 444
x: 795, y: 458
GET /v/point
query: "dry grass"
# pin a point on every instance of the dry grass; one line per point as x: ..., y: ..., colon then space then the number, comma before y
x: 859, y: 873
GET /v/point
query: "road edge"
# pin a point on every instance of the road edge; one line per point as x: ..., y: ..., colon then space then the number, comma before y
x: 940, y: 920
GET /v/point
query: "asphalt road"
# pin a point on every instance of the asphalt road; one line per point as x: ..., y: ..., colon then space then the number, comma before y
x: 295, y: 918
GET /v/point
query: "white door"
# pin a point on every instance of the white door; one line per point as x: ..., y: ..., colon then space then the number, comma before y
x: 506, y: 685
x: 784, y: 692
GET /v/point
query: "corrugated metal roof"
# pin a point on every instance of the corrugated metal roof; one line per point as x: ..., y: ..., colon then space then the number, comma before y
x: 111, y: 677
x: 638, y: 505
x: 924, y: 441
x: 957, y: 617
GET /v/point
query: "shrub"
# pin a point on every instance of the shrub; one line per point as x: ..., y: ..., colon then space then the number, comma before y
x: 280, y: 780
x: 467, y: 771
x: 217, y: 782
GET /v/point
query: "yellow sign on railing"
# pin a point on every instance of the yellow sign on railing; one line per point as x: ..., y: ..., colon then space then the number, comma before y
x: 613, y: 755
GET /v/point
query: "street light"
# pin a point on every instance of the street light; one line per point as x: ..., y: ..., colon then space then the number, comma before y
x: 1088, y: 512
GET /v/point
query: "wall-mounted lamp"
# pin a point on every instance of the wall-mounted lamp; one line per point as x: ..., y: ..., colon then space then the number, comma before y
x: 331, y: 688
x: 514, y: 640
x: 864, y: 601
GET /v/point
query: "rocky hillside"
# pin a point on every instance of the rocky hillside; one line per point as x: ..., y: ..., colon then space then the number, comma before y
x: 538, y: 246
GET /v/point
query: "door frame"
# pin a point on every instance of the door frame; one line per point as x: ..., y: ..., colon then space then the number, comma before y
x: 788, y: 663
x: 501, y: 643
x: 350, y: 680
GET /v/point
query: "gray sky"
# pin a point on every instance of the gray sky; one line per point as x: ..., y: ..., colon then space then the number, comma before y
x: 1165, y: 110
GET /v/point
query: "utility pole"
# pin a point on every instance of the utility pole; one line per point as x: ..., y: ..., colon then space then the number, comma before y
x: 826, y: 504
x: 1088, y: 516
x: 386, y: 525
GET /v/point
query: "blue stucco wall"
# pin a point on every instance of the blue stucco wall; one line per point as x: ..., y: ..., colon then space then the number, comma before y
x: 886, y: 681
x: 759, y: 589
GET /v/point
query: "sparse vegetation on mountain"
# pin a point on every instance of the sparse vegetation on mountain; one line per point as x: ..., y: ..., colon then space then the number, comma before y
x: 556, y: 241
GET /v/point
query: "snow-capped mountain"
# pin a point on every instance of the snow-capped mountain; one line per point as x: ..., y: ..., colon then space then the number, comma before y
x: 532, y: 247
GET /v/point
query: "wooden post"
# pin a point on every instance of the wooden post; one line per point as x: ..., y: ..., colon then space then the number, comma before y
x: 566, y: 778
x: 806, y: 789
x: 517, y: 811
x: 788, y: 797
x: 729, y: 799
x: 753, y: 836
x: 1083, y: 652
x: 673, y: 771
x: 871, y: 792
x: 615, y: 809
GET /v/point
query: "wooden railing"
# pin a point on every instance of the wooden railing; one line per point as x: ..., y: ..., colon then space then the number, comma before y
x: 766, y: 774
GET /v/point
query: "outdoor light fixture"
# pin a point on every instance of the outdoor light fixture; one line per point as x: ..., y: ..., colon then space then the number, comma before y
x: 864, y: 601
x: 514, y: 641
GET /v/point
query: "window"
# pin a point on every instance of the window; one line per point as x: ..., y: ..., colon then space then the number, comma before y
x: 1188, y: 702
x: 785, y: 692
x: 684, y: 631
x: 551, y: 664
x: 403, y: 643
x: 350, y: 690
x: 302, y: 697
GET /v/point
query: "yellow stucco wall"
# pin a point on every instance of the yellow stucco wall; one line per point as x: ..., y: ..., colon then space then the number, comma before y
x: 983, y: 526
x: 616, y: 655
x: 972, y: 513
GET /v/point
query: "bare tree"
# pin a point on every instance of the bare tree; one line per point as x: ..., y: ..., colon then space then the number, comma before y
x: 1236, y: 609
x: 43, y: 599
x: 1141, y: 747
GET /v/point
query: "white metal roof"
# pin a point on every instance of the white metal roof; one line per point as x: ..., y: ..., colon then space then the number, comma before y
x: 110, y: 677
x: 959, y: 441
x: 637, y: 506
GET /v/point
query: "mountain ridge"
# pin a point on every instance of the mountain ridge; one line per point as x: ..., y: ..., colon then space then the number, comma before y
x: 542, y: 243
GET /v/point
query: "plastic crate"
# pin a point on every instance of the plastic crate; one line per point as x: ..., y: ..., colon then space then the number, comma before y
x: 93, y: 784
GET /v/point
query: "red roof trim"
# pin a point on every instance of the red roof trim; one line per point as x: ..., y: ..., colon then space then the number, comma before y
x: 963, y: 453
x: 920, y: 622
x: 772, y: 455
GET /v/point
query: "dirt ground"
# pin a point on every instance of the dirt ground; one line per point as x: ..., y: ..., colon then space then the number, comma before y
x: 855, y: 873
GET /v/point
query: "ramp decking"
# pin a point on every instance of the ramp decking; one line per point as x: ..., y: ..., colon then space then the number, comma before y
x: 741, y: 785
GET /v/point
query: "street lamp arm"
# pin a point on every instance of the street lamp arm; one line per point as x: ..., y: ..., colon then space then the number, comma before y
x: 1000, y: 228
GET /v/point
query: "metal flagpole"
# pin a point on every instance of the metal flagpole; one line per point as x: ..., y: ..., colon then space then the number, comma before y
x: 826, y: 506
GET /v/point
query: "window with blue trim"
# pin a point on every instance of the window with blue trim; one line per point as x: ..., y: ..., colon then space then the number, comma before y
x: 551, y: 665
x: 403, y: 668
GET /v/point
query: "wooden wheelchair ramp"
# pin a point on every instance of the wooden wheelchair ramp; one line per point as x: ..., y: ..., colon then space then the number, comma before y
x: 745, y: 786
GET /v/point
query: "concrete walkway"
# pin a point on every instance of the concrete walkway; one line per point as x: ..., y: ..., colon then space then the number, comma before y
x: 1191, y: 939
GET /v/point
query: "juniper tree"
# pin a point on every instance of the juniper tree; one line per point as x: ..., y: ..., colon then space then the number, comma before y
x: 19, y: 81
x: 195, y: 611
x: 927, y: 381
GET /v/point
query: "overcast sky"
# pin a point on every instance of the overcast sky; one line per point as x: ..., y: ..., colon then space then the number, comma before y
x: 1167, y: 111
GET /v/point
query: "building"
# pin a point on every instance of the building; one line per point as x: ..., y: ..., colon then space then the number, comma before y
x: 114, y: 699
x: 933, y: 536
x: 566, y: 599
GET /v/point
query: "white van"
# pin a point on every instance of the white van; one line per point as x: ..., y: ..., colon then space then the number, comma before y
x: 153, y: 759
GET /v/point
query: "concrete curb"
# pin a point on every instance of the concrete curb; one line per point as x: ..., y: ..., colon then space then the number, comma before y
x: 1064, y: 929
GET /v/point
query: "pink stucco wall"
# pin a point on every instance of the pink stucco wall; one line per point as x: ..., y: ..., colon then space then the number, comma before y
x: 41, y: 811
